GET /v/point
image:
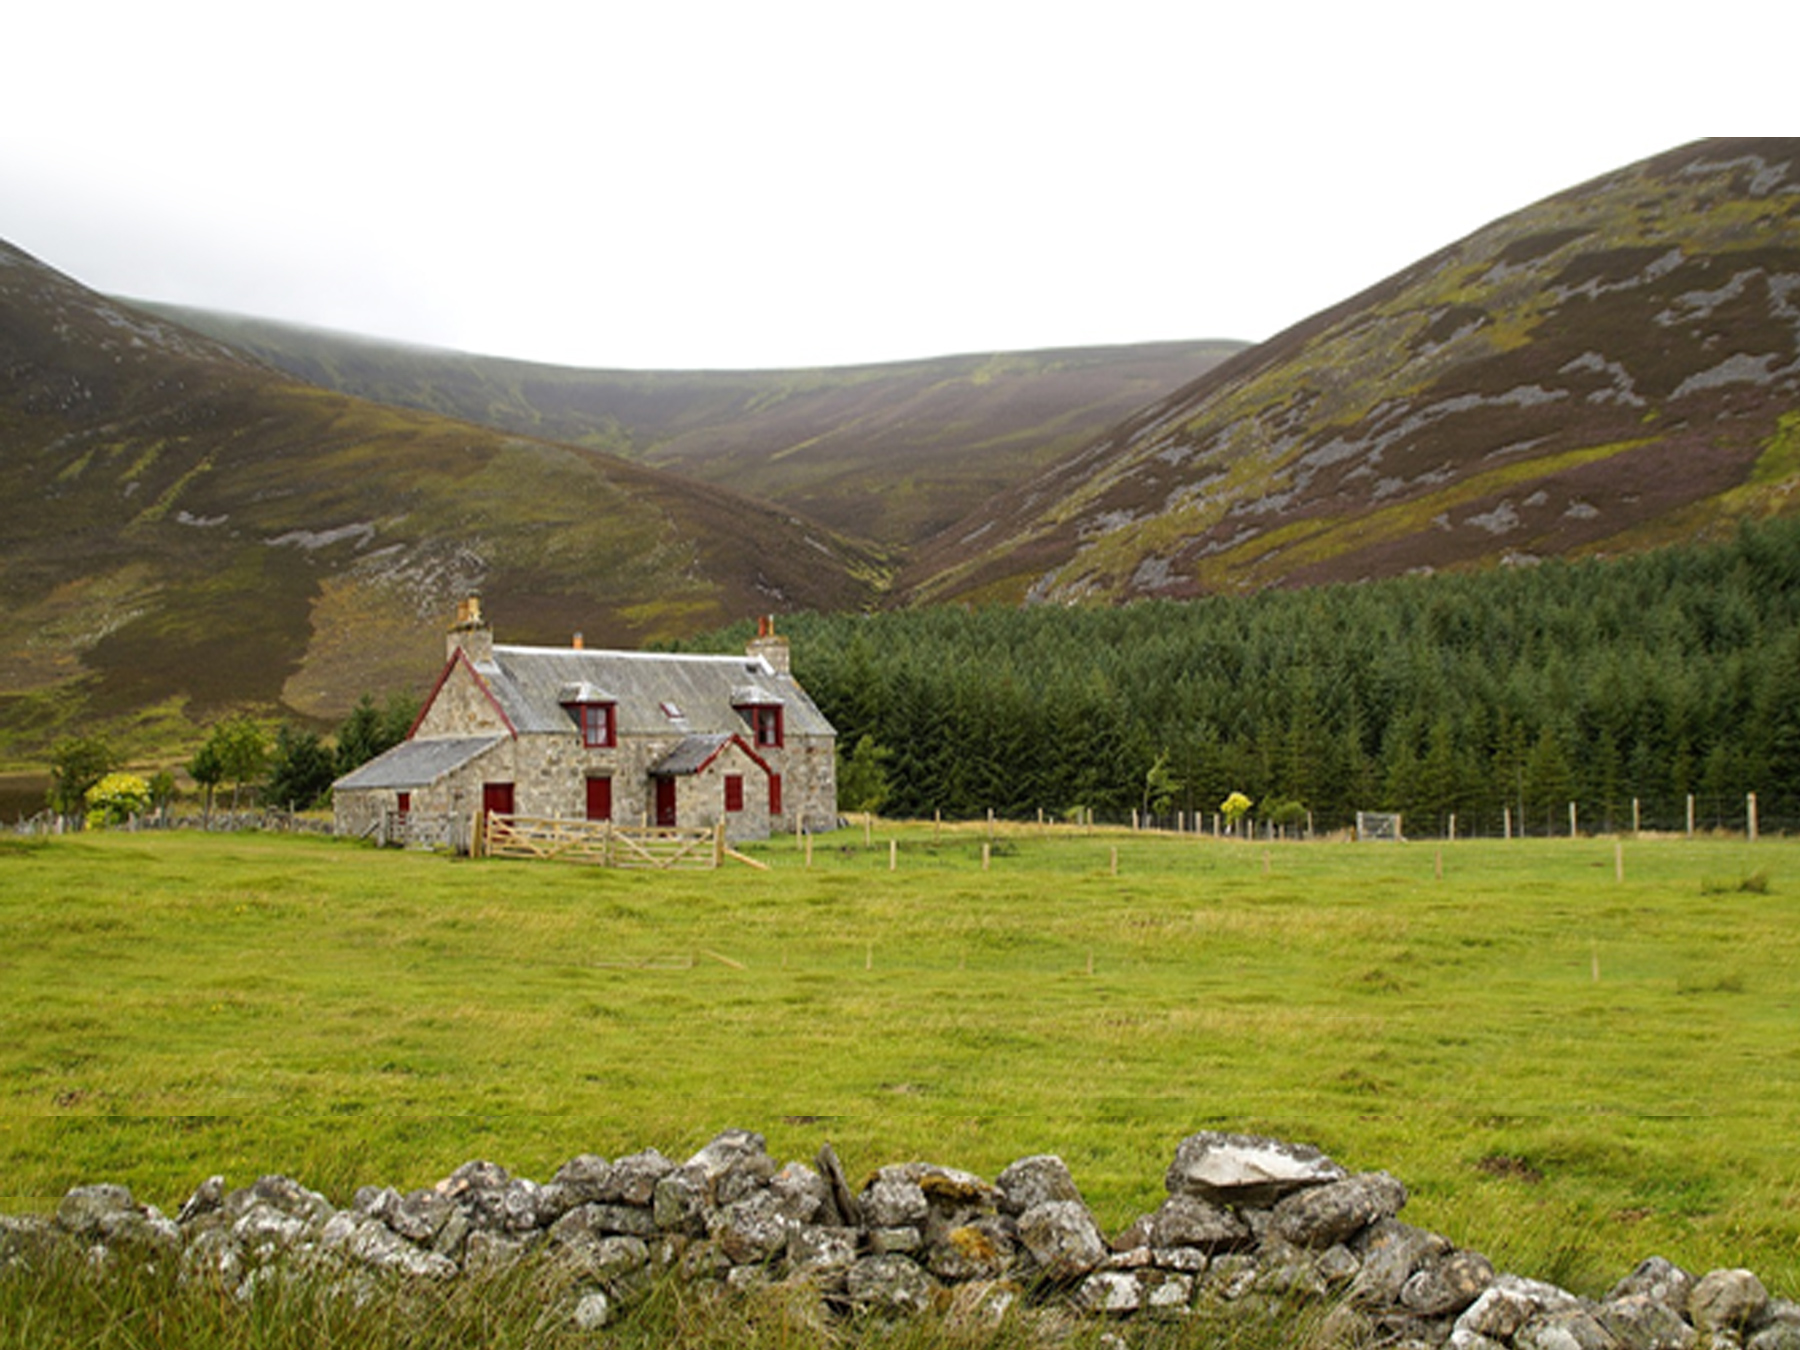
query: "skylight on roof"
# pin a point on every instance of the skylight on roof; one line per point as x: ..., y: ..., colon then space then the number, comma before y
x: 670, y: 711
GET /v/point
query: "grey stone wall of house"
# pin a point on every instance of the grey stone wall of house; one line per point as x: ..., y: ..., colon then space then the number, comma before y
x: 461, y: 708
x: 1251, y: 1227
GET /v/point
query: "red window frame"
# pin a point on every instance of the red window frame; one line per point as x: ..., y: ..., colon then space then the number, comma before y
x: 599, y: 724
x: 734, y: 792
x: 766, y: 719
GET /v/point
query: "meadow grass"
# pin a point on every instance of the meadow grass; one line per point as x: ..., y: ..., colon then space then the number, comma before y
x: 1569, y: 1071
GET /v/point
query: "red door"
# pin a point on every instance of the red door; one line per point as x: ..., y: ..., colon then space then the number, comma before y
x: 665, y: 802
x: 497, y: 799
x: 599, y: 799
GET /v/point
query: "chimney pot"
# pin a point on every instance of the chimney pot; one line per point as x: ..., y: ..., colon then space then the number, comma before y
x: 579, y: 642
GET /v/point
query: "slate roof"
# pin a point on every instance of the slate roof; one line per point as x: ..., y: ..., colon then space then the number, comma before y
x: 691, y: 754
x: 705, y: 691
x: 417, y: 764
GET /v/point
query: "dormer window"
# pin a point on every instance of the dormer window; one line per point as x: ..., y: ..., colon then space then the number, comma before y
x: 762, y: 710
x: 599, y: 724
x: 595, y: 711
x: 766, y: 722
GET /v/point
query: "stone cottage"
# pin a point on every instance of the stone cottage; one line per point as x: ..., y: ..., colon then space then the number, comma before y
x: 638, y: 738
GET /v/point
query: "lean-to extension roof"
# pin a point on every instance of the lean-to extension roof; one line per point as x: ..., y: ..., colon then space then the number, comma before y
x: 691, y: 754
x: 416, y: 764
x: 654, y: 693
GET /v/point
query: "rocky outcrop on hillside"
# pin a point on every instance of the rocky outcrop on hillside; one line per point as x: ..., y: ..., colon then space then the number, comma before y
x: 1249, y: 1223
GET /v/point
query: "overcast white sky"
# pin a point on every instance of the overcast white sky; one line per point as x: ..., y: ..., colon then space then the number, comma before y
x: 658, y: 184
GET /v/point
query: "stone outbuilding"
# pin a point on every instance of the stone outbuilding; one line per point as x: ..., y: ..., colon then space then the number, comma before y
x: 638, y: 738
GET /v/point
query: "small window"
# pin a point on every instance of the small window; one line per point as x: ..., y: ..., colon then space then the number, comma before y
x: 599, y: 727
x: 402, y: 802
x: 734, y: 792
x: 767, y: 722
x: 670, y: 711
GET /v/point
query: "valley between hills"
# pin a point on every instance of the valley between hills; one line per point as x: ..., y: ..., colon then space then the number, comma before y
x: 210, y: 513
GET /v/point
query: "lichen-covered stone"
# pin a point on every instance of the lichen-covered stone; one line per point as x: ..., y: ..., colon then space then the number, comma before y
x: 801, y: 1194
x: 374, y: 1245
x: 1447, y: 1286
x: 979, y: 1250
x: 1034, y: 1181
x: 844, y: 1208
x: 1727, y: 1300
x: 632, y: 1179
x: 1062, y: 1238
x: 734, y: 1163
x: 894, y: 1202
x: 1110, y: 1291
x: 891, y: 1284
x: 751, y: 1231
x: 1189, y: 1221
x: 1640, y: 1322
x: 419, y: 1216
x: 814, y: 1252
x: 206, y: 1199
x: 1391, y: 1251
x: 1335, y: 1212
x: 1658, y: 1279
x: 679, y: 1202
x: 92, y: 1211
x: 1567, y: 1329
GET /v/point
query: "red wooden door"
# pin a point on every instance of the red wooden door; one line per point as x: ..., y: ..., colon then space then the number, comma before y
x: 599, y: 799
x: 497, y: 799
x: 665, y: 802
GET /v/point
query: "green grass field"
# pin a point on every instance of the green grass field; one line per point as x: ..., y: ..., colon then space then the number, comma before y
x: 1569, y: 1070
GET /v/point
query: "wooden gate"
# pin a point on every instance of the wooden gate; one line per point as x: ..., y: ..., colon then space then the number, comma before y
x: 601, y: 842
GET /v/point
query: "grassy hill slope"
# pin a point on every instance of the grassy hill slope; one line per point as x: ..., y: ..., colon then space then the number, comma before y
x: 191, y: 530
x: 892, y: 452
x: 1612, y: 368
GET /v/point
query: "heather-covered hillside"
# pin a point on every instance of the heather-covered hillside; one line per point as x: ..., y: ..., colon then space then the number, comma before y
x: 1610, y: 369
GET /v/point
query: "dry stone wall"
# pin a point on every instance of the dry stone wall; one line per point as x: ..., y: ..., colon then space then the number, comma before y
x: 1246, y: 1221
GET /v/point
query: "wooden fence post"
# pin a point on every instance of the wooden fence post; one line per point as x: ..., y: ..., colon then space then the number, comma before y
x: 1506, y: 822
x: 1572, y: 829
x: 1690, y: 815
x: 1750, y: 816
x: 893, y: 855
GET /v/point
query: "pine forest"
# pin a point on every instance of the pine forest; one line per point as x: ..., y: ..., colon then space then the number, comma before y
x: 1498, y: 699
